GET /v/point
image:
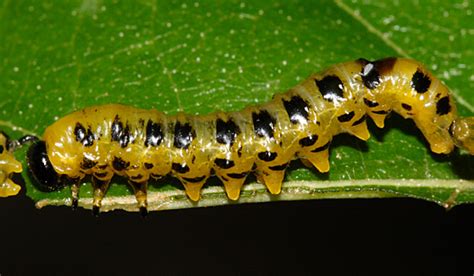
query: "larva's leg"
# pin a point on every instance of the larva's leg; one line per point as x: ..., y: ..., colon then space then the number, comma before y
x: 74, y: 183
x: 140, y: 191
x: 233, y: 183
x: 75, y: 194
x: 359, y: 129
x: 318, y: 157
x: 378, y: 117
x: 320, y: 160
x: 193, y: 189
x: 233, y: 173
x: 272, y: 177
x: 100, y: 189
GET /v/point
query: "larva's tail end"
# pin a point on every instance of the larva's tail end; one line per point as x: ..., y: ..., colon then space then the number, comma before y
x: 462, y: 131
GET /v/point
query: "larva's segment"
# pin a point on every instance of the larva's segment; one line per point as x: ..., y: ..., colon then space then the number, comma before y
x: 427, y: 101
x: 139, y: 144
x: 8, y: 166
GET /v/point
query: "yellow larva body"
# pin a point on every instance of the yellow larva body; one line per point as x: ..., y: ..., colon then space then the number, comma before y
x: 139, y: 144
x: 8, y: 166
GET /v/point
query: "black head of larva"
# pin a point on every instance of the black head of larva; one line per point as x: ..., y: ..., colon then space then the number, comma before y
x: 46, y: 178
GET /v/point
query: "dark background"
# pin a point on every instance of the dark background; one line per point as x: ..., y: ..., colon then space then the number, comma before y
x: 344, y: 237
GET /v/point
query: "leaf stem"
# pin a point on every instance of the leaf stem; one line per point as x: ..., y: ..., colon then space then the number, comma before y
x: 446, y: 193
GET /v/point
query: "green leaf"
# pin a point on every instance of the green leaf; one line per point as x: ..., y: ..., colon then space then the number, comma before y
x: 199, y: 57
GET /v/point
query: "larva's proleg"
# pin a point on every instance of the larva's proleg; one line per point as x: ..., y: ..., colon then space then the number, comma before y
x: 137, y: 144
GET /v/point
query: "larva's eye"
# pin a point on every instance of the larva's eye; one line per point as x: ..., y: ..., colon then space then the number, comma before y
x: 41, y: 169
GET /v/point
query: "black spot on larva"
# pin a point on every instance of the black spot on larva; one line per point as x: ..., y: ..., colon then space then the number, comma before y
x: 322, y: 148
x: 237, y: 175
x: 385, y: 65
x: 79, y: 132
x: 226, y: 132
x: 180, y: 168
x: 1, y: 149
x: 380, y: 112
x: 194, y: 179
x: 89, y: 141
x: 370, y: 76
x: 346, y: 117
x: 331, y: 88
x: 263, y: 124
x: 267, y: 156
x: 308, y: 141
x: 86, y: 137
x: 451, y: 129
x: 100, y: 175
x: 420, y: 82
x: 119, y: 164
x: 148, y: 166
x: 372, y: 71
x: 87, y: 163
x: 117, y: 128
x: 370, y: 103
x: 406, y: 106
x: 119, y: 133
x: 224, y: 163
x: 125, y: 137
x: 297, y: 109
x: 360, y: 120
x: 443, y: 106
x: 183, y: 135
x: 279, y: 167
x: 154, y: 134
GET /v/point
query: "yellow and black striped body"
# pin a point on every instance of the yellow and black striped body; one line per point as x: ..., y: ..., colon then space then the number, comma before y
x: 142, y: 144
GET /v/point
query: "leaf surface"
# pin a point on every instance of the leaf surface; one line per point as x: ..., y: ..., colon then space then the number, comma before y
x: 199, y: 57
